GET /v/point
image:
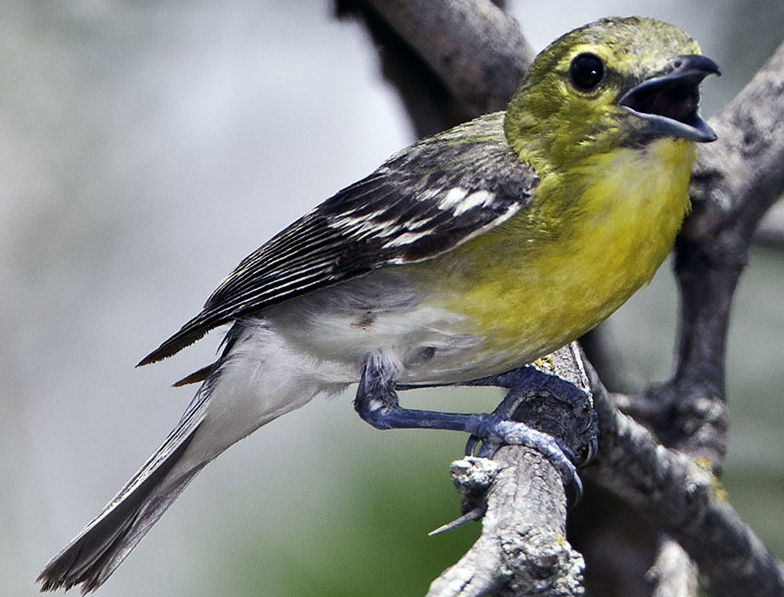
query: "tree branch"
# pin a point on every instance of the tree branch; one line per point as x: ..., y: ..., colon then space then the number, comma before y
x: 686, y: 500
x: 477, y: 51
x: 523, y: 549
x: 771, y: 228
x: 673, y: 573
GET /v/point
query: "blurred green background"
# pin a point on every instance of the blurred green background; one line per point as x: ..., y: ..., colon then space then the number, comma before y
x: 147, y: 147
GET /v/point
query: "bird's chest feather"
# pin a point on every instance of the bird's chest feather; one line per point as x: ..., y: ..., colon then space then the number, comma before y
x: 544, y: 278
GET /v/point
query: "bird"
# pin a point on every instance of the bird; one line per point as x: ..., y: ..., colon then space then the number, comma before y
x: 471, y: 253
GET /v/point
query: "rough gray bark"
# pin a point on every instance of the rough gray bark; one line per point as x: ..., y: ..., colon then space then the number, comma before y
x: 673, y: 574
x: 477, y: 51
x: 771, y: 227
x: 523, y: 548
x: 685, y: 499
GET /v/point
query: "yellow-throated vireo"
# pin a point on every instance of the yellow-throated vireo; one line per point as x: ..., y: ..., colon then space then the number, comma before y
x: 466, y: 255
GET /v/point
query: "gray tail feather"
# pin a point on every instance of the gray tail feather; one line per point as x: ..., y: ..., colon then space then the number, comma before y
x: 91, y: 557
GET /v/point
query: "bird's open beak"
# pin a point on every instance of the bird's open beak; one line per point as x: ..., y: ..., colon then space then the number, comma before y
x: 670, y: 100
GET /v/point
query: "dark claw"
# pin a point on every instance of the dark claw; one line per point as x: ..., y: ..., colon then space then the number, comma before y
x: 577, y: 484
x: 489, y: 448
x: 588, y: 452
x: 471, y: 444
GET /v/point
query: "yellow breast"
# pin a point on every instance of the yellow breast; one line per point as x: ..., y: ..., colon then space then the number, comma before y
x: 592, y: 238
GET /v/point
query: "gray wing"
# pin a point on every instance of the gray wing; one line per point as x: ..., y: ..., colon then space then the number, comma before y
x: 424, y: 201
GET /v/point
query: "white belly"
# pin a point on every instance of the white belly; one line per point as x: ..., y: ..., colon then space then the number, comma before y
x: 338, y: 327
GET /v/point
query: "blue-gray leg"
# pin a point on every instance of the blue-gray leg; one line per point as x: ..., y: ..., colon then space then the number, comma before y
x: 531, y: 391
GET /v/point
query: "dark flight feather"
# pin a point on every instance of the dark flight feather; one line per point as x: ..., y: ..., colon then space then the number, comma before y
x: 422, y: 202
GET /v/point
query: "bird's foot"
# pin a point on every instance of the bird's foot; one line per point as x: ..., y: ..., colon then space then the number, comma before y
x: 560, y: 420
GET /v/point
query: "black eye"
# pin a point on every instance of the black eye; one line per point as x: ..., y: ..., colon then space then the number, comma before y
x: 586, y: 72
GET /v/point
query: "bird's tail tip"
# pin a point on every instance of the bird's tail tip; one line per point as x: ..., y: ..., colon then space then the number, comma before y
x: 94, y: 554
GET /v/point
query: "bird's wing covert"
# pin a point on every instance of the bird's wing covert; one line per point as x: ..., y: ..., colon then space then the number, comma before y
x: 422, y: 202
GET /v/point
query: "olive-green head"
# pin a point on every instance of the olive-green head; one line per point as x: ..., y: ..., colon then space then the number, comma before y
x: 613, y: 83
